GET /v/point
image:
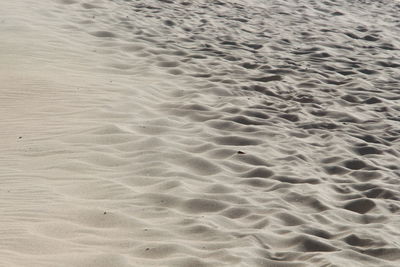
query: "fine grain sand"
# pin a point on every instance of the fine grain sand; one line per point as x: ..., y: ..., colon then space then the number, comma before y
x: 199, y: 133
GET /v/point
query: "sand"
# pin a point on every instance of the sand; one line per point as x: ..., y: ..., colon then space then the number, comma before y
x: 199, y: 133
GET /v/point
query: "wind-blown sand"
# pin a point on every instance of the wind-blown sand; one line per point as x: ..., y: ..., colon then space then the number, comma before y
x: 199, y: 133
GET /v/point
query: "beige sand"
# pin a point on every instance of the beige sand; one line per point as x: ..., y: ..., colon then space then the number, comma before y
x: 199, y: 133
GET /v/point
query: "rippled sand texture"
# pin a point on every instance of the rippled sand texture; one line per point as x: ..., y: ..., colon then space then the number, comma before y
x: 199, y: 133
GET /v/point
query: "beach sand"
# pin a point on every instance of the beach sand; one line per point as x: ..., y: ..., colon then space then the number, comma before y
x: 199, y: 133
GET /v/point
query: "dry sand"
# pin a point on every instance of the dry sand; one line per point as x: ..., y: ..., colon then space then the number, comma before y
x: 199, y: 133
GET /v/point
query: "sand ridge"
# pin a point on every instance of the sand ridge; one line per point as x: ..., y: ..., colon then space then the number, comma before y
x: 201, y: 133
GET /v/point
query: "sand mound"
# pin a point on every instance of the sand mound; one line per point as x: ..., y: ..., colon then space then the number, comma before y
x: 200, y: 133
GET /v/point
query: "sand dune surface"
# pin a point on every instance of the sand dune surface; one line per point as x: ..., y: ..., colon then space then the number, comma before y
x: 199, y: 133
